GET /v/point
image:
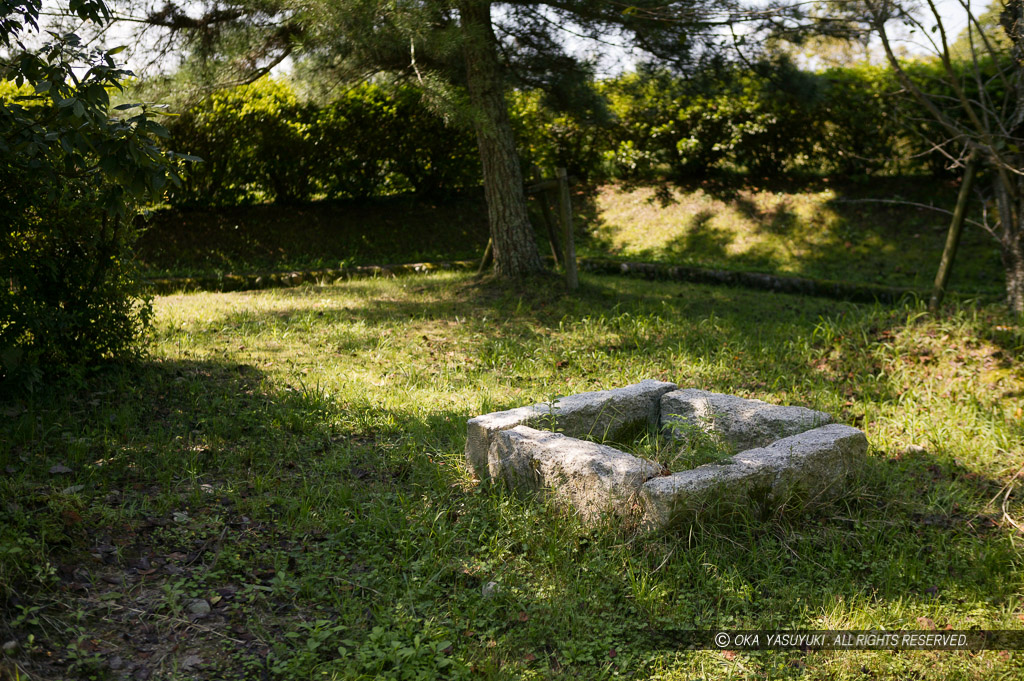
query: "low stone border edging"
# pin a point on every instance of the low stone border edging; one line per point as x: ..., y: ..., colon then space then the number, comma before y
x: 251, y: 282
x: 646, y: 270
x: 783, y: 453
x: 857, y: 292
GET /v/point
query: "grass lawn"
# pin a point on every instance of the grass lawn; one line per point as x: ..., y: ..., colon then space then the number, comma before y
x: 278, y: 492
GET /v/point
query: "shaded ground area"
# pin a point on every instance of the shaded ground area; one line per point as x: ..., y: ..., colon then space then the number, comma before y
x: 315, y: 235
x: 278, y: 492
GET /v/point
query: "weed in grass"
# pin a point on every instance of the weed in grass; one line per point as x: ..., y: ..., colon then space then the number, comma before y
x: 693, y: 445
x: 679, y: 446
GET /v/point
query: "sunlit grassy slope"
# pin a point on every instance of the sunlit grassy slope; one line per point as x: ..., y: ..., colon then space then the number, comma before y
x: 815, y: 230
x: 293, y: 458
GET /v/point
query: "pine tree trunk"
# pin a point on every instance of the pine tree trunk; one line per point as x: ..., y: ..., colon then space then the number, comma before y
x: 1013, y: 259
x: 515, y: 249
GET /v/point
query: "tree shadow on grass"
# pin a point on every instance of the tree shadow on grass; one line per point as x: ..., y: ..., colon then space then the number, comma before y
x: 127, y: 485
x: 903, y: 549
x: 682, y: 325
x: 779, y: 220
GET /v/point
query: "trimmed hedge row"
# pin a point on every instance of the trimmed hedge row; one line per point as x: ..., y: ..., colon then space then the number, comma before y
x: 260, y: 142
x: 771, y: 119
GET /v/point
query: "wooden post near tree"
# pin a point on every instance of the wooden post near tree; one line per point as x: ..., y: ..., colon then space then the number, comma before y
x: 545, y: 211
x: 565, y: 212
x: 953, y: 236
x: 566, y: 254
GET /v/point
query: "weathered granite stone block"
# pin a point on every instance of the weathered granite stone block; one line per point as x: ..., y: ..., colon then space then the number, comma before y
x: 592, y: 478
x: 602, y: 415
x: 810, y: 465
x: 610, y: 414
x: 480, y: 432
x: 740, y: 423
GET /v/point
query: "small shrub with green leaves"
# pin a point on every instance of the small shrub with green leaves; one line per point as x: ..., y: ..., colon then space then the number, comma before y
x: 73, y: 175
x: 549, y: 139
x: 762, y: 119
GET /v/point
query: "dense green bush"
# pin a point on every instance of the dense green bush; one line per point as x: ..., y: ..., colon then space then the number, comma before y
x: 259, y: 142
x: 922, y: 130
x: 72, y: 177
x: 254, y: 141
x: 857, y: 129
x: 768, y: 119
x: 774, y: 118
x: 386, y: 141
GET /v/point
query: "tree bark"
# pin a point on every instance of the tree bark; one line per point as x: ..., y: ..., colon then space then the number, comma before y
x: 1013, y: 261
x: 515, y: 249
x: 1012, y: 242
x: 1010, y: 206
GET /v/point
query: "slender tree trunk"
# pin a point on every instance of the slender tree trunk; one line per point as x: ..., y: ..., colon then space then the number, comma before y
x: 1013, y: 261
x: 1011, y: 239
x: 515, y: 249
x: 1010, y: 196
x: 953, y: 237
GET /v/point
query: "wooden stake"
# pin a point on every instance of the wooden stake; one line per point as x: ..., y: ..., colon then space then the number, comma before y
x: 565, y: 209
x: 543, y: 198
x: 488, y: 257
x: 549, y: 220
x: 953, y: 236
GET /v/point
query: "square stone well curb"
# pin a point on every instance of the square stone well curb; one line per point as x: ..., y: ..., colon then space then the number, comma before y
x: 783, y: 453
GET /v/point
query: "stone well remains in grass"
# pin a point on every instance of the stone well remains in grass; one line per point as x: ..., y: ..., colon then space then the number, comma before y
x: 760, y: 456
